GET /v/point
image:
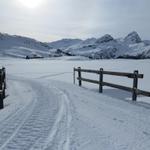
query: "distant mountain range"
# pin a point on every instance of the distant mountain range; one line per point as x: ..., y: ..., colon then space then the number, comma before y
x: 105, y: 47
x: 18, y: 46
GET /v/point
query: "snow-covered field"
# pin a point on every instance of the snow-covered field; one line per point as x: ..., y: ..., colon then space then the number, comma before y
x: 45, y: 111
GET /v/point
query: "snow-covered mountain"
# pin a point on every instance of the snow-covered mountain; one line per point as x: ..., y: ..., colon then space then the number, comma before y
x: 64, y: 43
x: 132, y: 38
x: 18, y: 46
x: 105, y: 47
x: 45, y: 111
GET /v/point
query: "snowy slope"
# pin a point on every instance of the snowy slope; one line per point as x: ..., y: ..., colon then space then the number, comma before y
x: 132, y: 38
x: 147, y: 42
x: 17, y: 46
x: 64, y: 43
x: 105, y: 47
x: 108, y: 47
x: 42, y: 112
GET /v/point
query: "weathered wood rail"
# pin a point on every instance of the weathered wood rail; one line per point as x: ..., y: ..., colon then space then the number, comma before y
x: 135, y: 76
x: 2, y: 86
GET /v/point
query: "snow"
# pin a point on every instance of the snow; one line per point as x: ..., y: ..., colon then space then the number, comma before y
x: 105, y: 47
x: 45, y: 110
x: 132, y: 38
x: 20, y: 47
x: 105, y: 38
x: 64, y: 43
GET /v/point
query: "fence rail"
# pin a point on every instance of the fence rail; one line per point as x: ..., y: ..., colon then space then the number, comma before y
x: 135, y: 76
x: 124, y: 74
x: 2, y: 86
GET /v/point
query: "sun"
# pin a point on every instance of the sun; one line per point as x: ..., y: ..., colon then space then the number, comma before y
x: 31, y: 3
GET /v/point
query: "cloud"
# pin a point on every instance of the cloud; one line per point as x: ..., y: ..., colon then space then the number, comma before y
x: 56, y: 19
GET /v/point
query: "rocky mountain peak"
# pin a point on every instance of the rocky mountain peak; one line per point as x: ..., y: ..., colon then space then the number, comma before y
x: 133, y: 38
x: 105, y: 38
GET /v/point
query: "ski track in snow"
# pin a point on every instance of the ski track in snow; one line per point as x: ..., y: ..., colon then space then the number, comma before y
x: 60, y: 135
x: 63, y: 116
x: 43, y: 124
x: 54, y: 75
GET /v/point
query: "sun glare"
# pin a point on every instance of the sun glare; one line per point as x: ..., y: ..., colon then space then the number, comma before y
x: 31, y: 3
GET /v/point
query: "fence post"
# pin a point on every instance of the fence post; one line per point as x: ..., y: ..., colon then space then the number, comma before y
x: 135, y: 85
x: 79, y: 76
x: 101, y: 80
x: 1, y: 101
x: 4, y: 71
x: 4, y: 81
x: 74, y: 76
x: 1, y: 92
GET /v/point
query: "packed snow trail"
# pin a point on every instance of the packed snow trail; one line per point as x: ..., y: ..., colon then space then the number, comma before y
x: 54, y: 115
x: 101, y: 122
x: 37, y: 125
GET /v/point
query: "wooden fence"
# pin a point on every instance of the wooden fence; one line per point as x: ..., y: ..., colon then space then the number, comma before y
x: 135, y: 76
x: 2, y: 86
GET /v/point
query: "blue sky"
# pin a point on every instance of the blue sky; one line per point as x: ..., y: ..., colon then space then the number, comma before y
x: 55, y: 19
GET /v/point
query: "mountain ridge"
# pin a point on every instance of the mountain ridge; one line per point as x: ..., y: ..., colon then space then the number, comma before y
x: 105, y: 47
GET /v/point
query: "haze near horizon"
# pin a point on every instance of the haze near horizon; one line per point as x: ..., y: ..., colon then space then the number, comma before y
x: 49, y: 20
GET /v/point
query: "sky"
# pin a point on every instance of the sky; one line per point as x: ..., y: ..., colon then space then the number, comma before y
x: 50, y: 20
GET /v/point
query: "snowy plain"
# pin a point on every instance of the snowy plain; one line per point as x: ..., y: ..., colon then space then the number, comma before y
x: 44, y: 110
